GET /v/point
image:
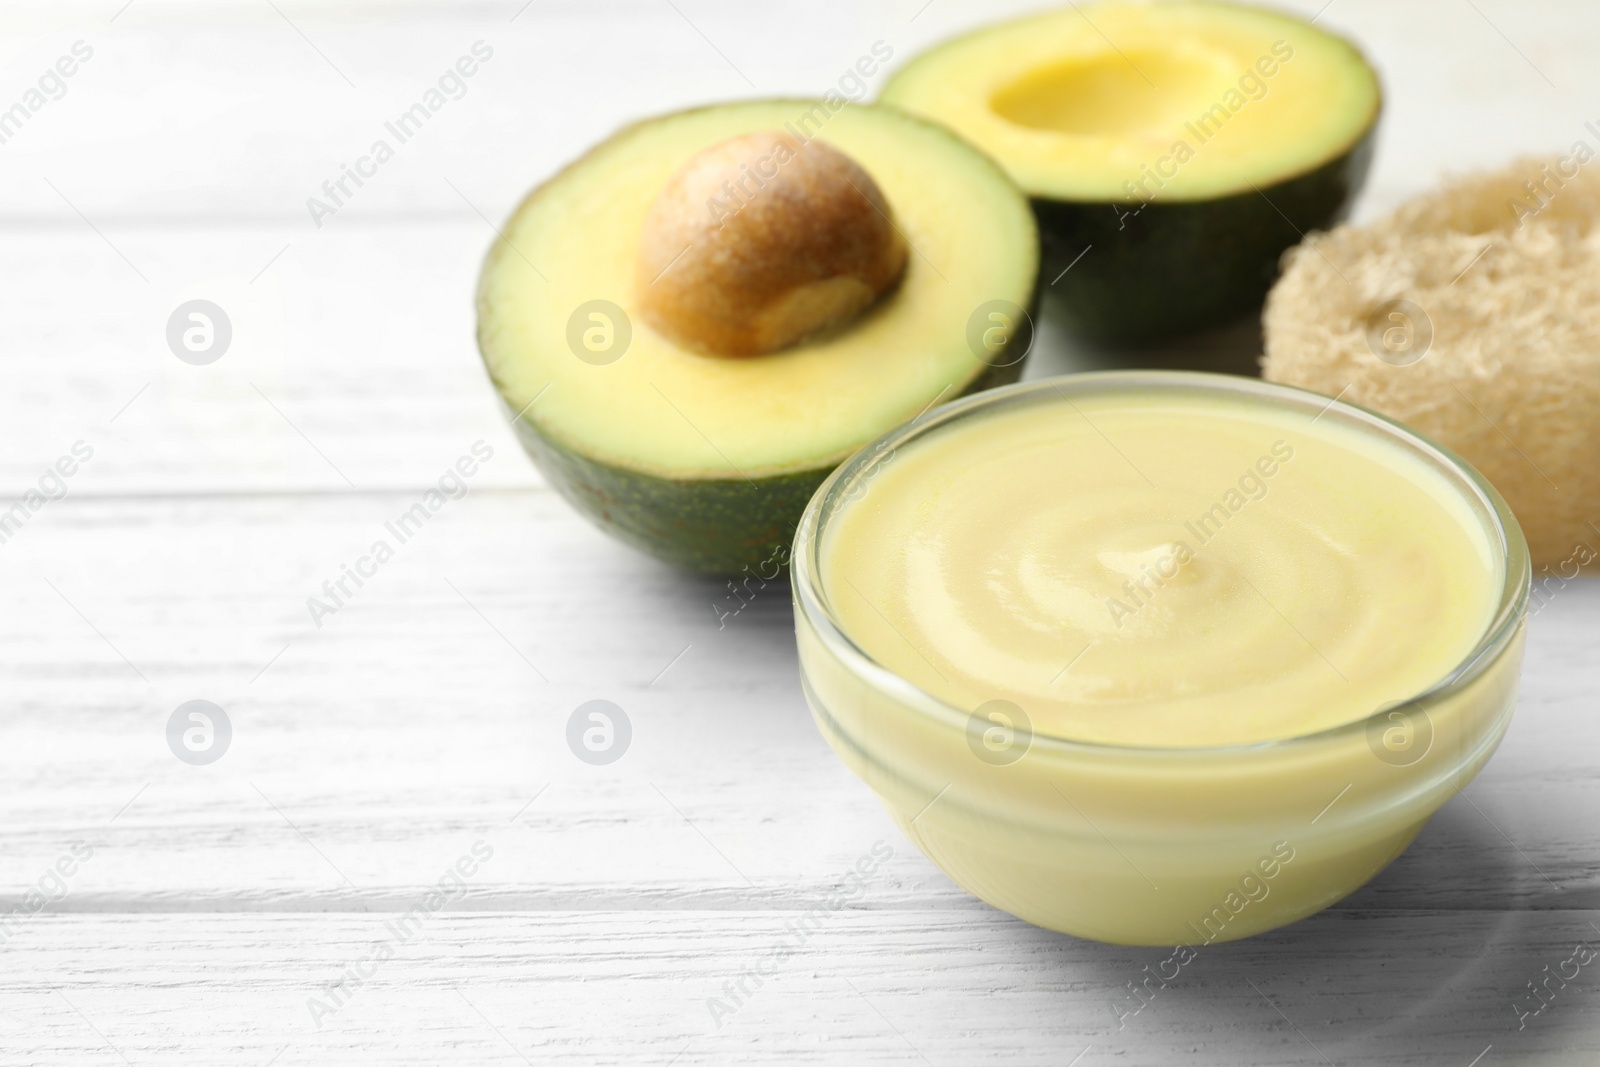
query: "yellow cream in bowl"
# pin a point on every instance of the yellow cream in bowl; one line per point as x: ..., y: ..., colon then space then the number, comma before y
x: 1168, y: 571
x: 1159, y: 658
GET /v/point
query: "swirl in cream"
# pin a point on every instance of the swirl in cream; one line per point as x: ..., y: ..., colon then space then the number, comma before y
x: 1162, y: 570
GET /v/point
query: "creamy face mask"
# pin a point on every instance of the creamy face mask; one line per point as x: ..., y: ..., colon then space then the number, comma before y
x: 1164, y: 569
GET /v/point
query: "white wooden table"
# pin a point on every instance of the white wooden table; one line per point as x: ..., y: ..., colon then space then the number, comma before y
x: 427, y: 717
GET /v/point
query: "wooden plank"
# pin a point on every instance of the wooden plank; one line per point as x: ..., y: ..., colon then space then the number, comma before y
x: 863, y: 986
x: 232, y: 110
x: 408, y: 719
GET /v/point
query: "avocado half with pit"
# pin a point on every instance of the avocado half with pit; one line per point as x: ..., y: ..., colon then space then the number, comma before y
x: 641, y: 317
x: 1172, y: 151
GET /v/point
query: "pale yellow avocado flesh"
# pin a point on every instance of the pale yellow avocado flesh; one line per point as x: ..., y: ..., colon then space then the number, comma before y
x: 1078, y: 102
x: 663, y: 410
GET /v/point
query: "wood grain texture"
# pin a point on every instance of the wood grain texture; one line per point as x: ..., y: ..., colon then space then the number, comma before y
x: 428, y: 714
x: 625, y: 987
x: 409, y: 705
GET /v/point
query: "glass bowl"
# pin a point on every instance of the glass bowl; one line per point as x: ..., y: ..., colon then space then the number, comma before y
x: 1157, y: 846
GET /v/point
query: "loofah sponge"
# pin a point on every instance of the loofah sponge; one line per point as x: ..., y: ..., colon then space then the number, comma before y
x: 1473, y: 315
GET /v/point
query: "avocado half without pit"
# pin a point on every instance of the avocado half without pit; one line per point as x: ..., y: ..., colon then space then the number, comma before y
x: 1172, y: 151
x: 694, y: 323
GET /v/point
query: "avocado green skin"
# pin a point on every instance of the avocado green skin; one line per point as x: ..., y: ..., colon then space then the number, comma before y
x: 728, y: 527
x: 1174, y: 266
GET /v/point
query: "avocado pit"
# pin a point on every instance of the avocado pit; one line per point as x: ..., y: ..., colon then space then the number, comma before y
x: 761, y: 241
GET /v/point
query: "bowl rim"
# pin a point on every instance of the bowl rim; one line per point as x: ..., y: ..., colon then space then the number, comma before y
x: 1504, y: 533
